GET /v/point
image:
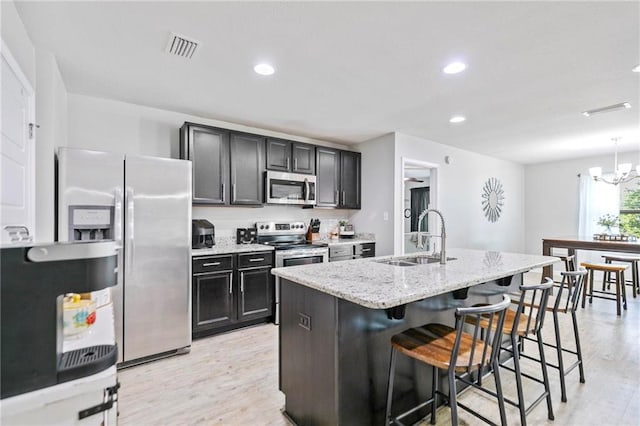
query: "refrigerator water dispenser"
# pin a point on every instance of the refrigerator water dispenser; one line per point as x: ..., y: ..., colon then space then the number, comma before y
x: 88, y: 223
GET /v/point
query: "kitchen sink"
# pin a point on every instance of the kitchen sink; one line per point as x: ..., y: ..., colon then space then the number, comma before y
x: 413, y: 261
x: 394, y: 262
x: 420, y: 260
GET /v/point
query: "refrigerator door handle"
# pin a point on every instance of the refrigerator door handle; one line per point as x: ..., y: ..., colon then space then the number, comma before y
x: 117, y: 217
x: 130, y: 220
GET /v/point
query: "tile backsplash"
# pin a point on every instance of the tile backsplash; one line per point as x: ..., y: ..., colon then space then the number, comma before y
x: 227, y: 219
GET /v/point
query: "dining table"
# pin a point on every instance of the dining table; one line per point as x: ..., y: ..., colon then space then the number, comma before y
x: 573, y: 243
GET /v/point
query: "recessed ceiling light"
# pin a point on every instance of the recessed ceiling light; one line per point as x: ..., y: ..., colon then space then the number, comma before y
x: 264, y: 69
x: 636, y: 69
x: 454, y: 68
x: 457, y: 119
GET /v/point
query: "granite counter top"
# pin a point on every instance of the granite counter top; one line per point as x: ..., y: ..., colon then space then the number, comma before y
x: 371, y: 284
x: 227, y: 246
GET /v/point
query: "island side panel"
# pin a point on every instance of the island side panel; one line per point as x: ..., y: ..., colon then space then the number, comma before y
x: 336, y: 372
x: 308, y: 367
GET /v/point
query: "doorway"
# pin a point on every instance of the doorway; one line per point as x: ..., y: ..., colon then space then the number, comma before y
x: 419, y: 192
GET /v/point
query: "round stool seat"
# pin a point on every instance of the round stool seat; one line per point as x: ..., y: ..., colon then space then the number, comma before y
x: 605, y: 267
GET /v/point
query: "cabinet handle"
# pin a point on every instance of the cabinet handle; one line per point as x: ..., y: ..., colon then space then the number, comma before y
x: 337, y: 197
x: 233, y: 190
x: 343, y: 194
x: 256, y: 259
x: 287, y: 163
x: 242, y: 282
x: 211, y: 264
x: 295, y: 164
x: 223, y: 192
x: 363, y: 250
x: 230, y: 282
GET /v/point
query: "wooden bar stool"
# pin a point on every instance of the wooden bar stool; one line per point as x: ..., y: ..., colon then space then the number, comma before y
x: 618, y: 270
x: 527, y: 320
x: 456, y: 351
x: 633, y: 261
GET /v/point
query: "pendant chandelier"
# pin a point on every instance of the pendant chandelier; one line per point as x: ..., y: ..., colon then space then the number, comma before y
x: 622, y: 173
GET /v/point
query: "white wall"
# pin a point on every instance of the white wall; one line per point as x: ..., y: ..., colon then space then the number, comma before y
x: 51, y: 113
x: 377, y: 192
x: 551, y: 201
x: 107, y: 125
x: 459, y: 195
x: 15, y: 36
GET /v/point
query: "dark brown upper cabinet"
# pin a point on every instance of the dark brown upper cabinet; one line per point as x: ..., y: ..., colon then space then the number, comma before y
x: 227, y: 167
x: 350, y: 163
x: 247, y: 168
x: 338, y: 178
x: 327, y: 177
x: 288, y: 156
x: 208, y: 150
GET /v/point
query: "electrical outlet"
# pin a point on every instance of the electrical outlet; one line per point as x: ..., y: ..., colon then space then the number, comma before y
x: 385, y: 216
x: 304, y: 321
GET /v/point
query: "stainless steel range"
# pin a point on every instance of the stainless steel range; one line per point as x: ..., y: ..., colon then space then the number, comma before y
x: 291, y: 248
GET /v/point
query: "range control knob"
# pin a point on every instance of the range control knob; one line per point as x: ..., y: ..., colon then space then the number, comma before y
x: 261, y: 226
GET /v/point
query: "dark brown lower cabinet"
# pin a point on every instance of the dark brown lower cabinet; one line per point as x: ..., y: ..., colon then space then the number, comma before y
x: 231, y: 291
x: 256, y: 293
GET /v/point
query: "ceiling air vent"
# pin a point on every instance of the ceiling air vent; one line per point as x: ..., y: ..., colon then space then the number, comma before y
x: 180, y: 45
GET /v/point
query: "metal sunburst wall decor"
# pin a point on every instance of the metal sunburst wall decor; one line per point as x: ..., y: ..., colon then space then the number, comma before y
x: 492, y: 199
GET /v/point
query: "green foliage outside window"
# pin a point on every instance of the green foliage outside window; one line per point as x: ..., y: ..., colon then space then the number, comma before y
x: 630, y: 212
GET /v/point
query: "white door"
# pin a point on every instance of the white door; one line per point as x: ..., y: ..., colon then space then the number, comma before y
x: 17, y: 154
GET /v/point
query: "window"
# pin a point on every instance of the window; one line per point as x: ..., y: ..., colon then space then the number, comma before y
x: 630, y: 208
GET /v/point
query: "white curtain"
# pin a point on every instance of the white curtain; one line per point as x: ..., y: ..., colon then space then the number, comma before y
x: 595, y: 200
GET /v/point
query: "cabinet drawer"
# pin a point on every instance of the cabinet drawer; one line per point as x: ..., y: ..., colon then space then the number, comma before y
x: 253, y: 260
x: 341, y: 250
x: 366, y: 250
x: 212, y: 264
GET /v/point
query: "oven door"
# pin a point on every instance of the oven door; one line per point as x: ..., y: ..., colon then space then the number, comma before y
x: 290, y: 188
x: 297, y: 257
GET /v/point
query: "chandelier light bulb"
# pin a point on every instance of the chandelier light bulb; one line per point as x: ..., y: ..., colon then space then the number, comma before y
x: 622, y: 173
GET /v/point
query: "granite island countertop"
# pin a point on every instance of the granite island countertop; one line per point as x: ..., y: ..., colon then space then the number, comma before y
x: 372, y: 284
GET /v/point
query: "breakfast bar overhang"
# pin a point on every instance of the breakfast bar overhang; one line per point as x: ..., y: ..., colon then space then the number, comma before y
x: 337, y: 320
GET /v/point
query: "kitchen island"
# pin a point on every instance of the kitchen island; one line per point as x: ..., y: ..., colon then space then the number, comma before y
x: 337, y: 320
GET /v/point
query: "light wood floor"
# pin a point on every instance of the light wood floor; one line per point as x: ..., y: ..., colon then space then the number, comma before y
x: 232, y: 379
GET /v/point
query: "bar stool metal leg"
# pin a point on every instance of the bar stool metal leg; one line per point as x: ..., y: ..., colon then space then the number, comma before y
x: 545, y: 376
x: 556, y: 329
x: 392, y: 370
x: 578, y: 348
x: 453, y: 402
x: 618, y: 293
x: 434, y: 394
x: 516, y: 367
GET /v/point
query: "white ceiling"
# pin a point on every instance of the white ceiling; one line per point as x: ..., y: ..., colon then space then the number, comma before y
x: 348, y: 72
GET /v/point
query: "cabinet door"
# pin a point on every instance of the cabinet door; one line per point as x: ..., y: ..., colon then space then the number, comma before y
x: 327, y: 176
x: 255, y: 299
x: 208, y: 150
x: 304, y: 158
x: 247, y: 168
x: 350, y: 180
x: 278, y: 155
x: 213, y: 304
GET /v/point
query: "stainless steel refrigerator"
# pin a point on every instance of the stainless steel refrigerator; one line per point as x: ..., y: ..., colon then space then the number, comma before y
x: 144, y: 204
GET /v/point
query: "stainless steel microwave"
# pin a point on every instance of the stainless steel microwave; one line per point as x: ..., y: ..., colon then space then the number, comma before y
x: 290, y: 188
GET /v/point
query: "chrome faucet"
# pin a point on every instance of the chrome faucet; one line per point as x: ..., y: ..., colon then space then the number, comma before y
x: 443, y: 234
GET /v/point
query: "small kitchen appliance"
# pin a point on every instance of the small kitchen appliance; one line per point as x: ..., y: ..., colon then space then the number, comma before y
x: 346, y: 231
x: 290, y: 188
x: 246, y: 235
x: 291, y: 248
x: 203, y: 234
